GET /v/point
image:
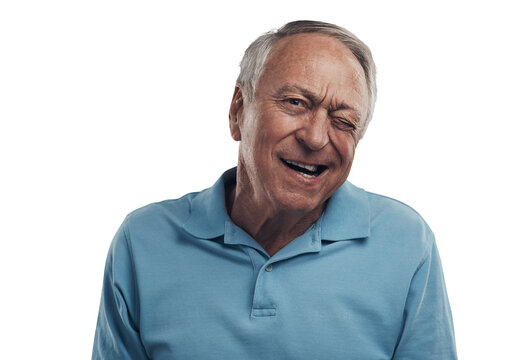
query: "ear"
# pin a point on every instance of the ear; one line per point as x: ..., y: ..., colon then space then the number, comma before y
x: 235, y: 112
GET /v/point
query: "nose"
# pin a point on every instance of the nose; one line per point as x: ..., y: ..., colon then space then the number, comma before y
x: 314, y: 131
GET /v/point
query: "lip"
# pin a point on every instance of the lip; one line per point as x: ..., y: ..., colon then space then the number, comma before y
x: 305, y: 162
x: 300, y: 177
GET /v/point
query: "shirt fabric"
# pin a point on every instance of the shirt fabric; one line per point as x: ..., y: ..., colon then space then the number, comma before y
x: 182, y: 281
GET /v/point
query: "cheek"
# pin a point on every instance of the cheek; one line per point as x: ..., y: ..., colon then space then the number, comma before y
x: 345, y: 145
x: 257, y: 140
x: 273, y: 129
x: 250, y: 130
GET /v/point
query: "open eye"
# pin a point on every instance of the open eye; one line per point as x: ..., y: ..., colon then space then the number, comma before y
x: 295, y: 102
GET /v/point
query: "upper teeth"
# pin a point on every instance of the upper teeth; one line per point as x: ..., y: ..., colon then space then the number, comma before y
x: 308, y: 167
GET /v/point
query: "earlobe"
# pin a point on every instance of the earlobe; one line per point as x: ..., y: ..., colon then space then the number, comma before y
x: 235, y: 112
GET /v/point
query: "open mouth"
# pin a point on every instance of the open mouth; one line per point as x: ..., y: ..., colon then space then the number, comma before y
x: 309, y: 171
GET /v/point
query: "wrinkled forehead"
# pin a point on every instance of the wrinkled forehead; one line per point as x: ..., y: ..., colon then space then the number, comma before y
x: 316, y: 46
x: 317, y: 59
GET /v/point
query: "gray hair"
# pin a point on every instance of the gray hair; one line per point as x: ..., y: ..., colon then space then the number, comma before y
x: 257, y: 54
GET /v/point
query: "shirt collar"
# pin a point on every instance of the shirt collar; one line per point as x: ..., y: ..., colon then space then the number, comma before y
x: 346, y: 217
x: 207, y: 209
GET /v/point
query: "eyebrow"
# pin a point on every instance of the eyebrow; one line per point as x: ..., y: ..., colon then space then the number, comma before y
x: 315, y: 99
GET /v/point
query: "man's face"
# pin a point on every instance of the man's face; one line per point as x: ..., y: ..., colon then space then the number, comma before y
x: 298, y: 135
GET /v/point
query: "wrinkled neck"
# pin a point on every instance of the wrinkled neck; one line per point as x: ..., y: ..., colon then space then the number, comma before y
x: 271, y: 226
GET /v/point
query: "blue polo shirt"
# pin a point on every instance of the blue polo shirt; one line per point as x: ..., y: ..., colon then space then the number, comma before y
x: 182, y: 281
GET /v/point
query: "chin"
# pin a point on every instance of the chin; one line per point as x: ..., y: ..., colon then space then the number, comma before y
x: 299, y: 203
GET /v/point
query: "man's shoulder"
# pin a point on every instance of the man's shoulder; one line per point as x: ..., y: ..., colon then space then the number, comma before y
x: 176, y: 211
x: 389, y: 218
x: 391, y: 207
x: 380, y: 205
x: 201, y: 214
x: 356, y: 213
x: 398, y: 219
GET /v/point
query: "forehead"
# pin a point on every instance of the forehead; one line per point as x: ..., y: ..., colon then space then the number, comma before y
x: 320, y: 61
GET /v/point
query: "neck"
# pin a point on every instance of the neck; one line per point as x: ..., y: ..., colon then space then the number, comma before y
x: 272, y: 227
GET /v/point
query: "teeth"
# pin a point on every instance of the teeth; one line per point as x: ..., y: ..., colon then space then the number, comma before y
x: 307, y: 175
x: 312, y: 168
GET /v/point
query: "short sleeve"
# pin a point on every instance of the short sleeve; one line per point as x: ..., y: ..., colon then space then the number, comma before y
x: 428, y: 326
x: 117, y: 333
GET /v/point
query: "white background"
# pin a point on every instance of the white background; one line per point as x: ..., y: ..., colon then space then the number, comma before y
x: 109, y: 105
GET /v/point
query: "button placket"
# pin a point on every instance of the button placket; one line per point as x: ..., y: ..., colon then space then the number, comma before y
x: 263, y: 304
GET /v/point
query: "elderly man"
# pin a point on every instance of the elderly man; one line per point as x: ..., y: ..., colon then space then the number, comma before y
x: 282, y: 258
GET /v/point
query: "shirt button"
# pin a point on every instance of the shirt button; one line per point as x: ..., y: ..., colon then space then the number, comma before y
x: 269, y: 268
